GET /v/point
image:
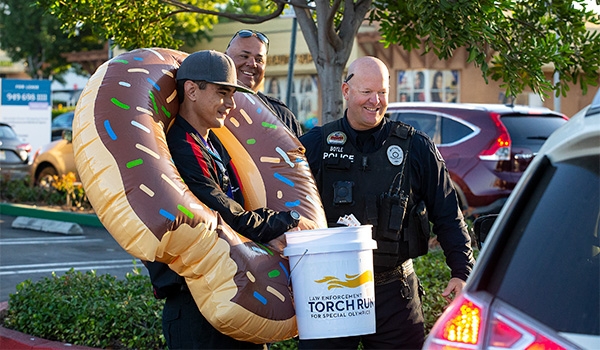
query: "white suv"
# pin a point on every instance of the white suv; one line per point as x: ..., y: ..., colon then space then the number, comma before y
x: 536, y: 284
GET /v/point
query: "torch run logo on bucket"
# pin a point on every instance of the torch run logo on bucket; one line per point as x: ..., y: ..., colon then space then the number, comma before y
x: 342, y: 305
x: 352, y: 281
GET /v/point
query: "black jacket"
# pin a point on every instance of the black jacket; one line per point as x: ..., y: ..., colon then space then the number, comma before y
x: 283, y: 113
x: 202, y: 172
x: 430, y: 182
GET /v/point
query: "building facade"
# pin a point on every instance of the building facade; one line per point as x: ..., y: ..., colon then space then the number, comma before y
x: 414, y: 76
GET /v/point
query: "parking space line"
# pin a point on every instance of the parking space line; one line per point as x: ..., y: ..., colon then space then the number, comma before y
x: 121, y: 261
x: 49, y: 240
x: 66, y: 266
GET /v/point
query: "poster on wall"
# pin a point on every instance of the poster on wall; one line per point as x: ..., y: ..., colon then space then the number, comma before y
x: 25, y: 105
x: 304, y: 98
x: 428, y: 86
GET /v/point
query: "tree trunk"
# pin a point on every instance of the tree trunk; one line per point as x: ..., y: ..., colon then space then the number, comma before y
x: 330, y: 79
x: 330, y: 46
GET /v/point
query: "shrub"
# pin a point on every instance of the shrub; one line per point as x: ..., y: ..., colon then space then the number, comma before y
x: 62, y: 191
x: 91, y: 310
x: 19, y: 191
x: 101, y: 311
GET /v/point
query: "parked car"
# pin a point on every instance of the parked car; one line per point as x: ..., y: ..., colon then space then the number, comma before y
x: 55, y: 158
x: 14, y: 153
x: 536, y: 284
x: 61, y: 123
x: 486, y: 146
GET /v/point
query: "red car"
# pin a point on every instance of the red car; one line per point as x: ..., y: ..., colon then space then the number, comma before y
x: 486, y: 146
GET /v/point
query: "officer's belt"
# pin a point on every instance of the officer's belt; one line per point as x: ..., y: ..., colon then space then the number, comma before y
x: 397, y: 273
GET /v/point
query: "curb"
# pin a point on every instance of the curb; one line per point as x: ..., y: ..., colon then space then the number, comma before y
x: 10, y: 339
x: 50, y: 214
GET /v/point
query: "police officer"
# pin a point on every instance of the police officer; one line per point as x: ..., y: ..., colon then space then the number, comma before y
x: 392, y: 177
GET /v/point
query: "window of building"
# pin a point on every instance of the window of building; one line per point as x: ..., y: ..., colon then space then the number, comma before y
x: 428, y: 86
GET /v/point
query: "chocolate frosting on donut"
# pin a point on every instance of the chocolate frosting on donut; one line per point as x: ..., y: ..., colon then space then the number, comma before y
x: 241, y: 287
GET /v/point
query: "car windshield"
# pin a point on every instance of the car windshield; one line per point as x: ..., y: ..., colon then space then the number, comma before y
x: 6, y: 132
x: 550, y: 264
x: 527, y: 131
x: 64, y: 120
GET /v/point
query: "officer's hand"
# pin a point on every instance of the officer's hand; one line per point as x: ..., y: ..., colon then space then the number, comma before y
x: 455, y: 286
x: 278, y: 244
x: 307, y: 224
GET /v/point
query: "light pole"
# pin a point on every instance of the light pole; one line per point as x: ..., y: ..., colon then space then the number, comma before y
x: 290, y: 76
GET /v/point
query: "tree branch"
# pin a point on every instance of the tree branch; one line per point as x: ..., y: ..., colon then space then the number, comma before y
x: 242, y: 18
x: 332, y: 36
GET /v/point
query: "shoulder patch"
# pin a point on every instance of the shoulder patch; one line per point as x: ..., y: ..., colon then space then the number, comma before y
x: 336, y: 138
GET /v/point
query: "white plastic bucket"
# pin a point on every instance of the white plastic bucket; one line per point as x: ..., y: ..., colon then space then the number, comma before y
x: 332, y: 281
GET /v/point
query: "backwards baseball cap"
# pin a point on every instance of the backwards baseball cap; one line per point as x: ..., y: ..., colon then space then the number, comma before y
x: 211, y: 66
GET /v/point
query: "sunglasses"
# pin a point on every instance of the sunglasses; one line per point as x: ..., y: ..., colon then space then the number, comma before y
x: 246, y: 33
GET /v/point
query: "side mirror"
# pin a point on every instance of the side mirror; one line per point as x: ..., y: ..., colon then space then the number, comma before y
x: 67, y: 135
x: 482, y: 226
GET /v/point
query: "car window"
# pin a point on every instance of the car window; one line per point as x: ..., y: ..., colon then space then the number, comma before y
x: 552, y: 256
x: 6, y: 132
x: 453, y: 130
x: 531, y: 130
x: 63, y: 121
x: 425, y: 122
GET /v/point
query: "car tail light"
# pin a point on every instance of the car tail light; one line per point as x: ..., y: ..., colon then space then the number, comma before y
x: 25, y: 147
x: 500, y: 148
x: 459, y: 327
x: 509, y: 334
x: 464, y: 326
x: 24, y: 150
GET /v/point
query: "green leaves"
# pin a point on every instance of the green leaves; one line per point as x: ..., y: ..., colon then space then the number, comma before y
x: 519, y: 42
x: 31, y: 35
x: 87, y: 309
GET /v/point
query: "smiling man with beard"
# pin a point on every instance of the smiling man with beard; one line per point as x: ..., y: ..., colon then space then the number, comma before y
x: 392, y: 177
x: 248, y: 49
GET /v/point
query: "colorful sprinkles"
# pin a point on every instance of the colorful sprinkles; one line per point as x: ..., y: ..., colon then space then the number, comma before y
x: 269, y: 125
x: 283, y: 179
x: 185, y: 211
x: 109, y: 130
x: 292, y: 204
x: 284, y: 270
x: 167, y: 214
x: 153, y: 84
x: 284, y: 156
x: 134, y: 163
x: 119, y: 103
x: 260, y: 298
x: 276, y: 293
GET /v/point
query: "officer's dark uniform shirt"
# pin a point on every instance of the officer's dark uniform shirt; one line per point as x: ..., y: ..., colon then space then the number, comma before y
x: 430, y: 182
x: 283, y: 113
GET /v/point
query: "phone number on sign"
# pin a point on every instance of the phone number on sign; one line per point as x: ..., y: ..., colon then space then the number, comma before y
x: 25, y: 96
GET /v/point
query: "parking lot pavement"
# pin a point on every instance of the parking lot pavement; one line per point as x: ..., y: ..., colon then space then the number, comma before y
x: 33, y: 254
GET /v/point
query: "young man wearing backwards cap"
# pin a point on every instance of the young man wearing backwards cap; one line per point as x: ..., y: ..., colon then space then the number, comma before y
x: 206, y: 82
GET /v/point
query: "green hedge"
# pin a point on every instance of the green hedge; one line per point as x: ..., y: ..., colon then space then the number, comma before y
x: 92, y: 310
x: 105, y: 312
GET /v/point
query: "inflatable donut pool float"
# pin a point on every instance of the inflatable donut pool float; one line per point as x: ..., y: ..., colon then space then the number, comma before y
x: 241, y: 287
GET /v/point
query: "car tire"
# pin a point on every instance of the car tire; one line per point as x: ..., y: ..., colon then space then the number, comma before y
x: 45, y: 176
